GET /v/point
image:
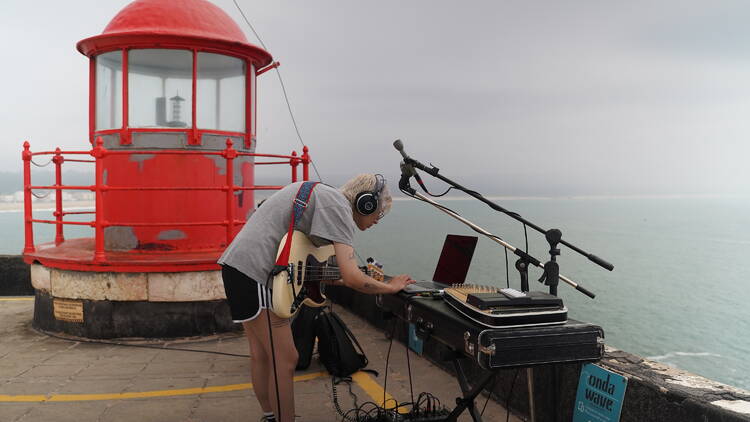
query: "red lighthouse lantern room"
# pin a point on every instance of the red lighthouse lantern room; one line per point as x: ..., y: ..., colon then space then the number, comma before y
x: 172, y: 123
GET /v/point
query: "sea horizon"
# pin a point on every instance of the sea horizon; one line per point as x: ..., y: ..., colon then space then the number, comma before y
x: 37, y: 205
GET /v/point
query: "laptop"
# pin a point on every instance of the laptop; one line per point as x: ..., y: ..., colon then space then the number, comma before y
x: 452, y: 266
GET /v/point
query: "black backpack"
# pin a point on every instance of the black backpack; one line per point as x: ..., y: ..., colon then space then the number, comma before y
x: 303, y: 331
x: 336, y: 346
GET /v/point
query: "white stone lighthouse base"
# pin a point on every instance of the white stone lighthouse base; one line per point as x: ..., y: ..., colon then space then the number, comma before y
x: 118, y: 305
x: 151, y: 287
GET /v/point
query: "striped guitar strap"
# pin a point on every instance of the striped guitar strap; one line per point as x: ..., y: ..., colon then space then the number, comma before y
x: 298, y: 208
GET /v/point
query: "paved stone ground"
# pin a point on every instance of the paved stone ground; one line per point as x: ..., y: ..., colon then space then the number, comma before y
x: 43, y: 378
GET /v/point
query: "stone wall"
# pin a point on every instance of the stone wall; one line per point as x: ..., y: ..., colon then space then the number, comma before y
x: 15, y: 277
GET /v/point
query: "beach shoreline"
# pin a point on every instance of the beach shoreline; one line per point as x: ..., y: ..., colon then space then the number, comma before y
x: 46, y: 206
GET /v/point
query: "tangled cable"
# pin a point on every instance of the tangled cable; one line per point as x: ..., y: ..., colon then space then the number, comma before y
x: 426, y: 407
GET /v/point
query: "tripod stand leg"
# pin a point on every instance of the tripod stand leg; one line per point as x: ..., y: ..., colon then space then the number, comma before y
x: 530, y: 385
x: 469, y: 393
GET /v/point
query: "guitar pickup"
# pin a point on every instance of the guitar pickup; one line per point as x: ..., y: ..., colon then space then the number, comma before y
x: 290, y: 273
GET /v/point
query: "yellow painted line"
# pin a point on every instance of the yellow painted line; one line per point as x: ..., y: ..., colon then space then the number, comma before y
x: 29, y: 398
x: 9, y: 299
x: 142, y: 394
x: 375, y: 391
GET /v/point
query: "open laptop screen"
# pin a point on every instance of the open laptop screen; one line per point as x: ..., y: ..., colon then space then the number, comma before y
x: 455, y: 259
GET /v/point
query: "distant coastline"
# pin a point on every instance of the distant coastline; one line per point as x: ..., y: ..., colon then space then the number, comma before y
x: 89, y: 204
x: 46, y: 206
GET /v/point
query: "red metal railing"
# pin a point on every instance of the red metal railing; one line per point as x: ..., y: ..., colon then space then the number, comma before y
x: 99, y: 152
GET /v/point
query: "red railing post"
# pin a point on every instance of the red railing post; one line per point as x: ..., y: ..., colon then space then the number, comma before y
x: 29, y: 229
x: 294, y: 162
x: 305, y: 164
x: 230, y: 154
x: 58, y: 160
x: 98, y: 152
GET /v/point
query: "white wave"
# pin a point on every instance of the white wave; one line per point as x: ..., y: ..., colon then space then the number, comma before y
x: 671, y: 355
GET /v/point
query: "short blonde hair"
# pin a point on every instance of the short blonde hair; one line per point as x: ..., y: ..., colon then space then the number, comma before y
x: 366, y: 182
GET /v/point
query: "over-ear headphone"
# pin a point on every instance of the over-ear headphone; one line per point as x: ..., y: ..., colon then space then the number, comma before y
x: 367, y: 202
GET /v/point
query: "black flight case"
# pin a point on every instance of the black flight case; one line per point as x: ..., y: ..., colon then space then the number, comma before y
x: 492, y: 348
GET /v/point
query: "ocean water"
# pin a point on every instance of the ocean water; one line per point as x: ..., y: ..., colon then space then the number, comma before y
x: 678, y: 294
x: 12, y: 228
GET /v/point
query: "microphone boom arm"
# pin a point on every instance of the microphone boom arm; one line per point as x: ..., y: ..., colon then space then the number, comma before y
x: 433, y: 171
x: 533, y: 261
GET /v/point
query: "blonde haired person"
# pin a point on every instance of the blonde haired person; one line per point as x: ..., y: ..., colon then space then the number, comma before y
x: 331, y: 217
x: 366, y: 182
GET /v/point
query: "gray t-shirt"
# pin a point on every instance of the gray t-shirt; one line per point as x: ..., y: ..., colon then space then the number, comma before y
x: 327, y: 219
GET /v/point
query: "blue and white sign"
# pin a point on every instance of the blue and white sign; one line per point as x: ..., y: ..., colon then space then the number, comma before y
x: 415, y: 343
x: 600, y: 395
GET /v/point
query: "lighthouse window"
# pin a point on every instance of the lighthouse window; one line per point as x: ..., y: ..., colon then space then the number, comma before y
x: 109, y: 90
x: 220, y: 93
x: 160, y: 88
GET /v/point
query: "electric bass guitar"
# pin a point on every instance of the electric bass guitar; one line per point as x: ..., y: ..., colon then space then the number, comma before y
x: 308, y: 265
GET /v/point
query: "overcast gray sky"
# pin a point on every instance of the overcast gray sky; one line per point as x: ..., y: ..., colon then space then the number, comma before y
x: 574, y: 97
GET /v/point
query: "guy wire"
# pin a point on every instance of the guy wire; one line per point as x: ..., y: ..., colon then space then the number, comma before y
x: 283, y: 88
x: 286, y: 97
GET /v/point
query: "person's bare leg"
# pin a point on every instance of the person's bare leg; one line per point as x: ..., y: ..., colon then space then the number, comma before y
x: 286, y: 360
x: 260, y: 362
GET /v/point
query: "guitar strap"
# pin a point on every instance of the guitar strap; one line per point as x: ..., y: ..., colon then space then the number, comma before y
x: 298, y: 208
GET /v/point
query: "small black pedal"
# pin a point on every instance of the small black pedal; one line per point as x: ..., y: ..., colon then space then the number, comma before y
x: 498, y: 300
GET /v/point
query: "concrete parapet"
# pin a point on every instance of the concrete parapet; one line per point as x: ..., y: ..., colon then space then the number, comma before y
x: 664, y: 393
x: 14, y: 276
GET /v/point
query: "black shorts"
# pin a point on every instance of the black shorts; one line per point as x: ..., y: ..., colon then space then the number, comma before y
x: 246, y: 296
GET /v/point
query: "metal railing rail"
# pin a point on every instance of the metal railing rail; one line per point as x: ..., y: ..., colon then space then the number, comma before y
x: 99, y: 152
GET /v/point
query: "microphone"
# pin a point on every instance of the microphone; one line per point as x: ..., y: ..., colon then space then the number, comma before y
x: 400, y: 148
x: 407, y: 168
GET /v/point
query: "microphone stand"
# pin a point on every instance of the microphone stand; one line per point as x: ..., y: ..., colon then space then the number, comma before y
x: 551, y: 274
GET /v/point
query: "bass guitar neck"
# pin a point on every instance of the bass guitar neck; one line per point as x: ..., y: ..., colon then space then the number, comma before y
x: 309, y: 265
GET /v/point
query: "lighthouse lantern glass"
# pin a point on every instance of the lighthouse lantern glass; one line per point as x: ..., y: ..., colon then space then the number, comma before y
x: 220, y: 92
x: 154, y: 77
x: 109, y: 90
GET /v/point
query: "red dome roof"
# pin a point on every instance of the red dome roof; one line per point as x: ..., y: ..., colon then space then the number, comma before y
x: 183, y: 23
x: 185, y: 17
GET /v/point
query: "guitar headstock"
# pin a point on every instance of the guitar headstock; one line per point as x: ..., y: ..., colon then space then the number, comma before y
x: 374, y: 270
